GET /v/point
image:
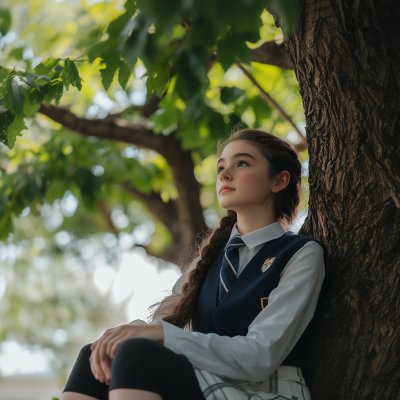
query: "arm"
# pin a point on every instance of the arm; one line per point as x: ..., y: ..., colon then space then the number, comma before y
x: 271, y: 335
x: 163, y: 309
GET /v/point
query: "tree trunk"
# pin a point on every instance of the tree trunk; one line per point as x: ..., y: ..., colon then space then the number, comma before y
x: 346, y: 60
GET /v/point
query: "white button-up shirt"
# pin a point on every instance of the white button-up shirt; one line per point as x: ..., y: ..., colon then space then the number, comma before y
x: 276, y: 329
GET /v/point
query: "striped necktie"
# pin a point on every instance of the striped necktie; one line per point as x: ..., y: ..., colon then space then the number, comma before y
x: 230, y: 266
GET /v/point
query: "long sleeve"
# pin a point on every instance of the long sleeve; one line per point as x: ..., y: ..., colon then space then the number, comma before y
x: 271, y: 335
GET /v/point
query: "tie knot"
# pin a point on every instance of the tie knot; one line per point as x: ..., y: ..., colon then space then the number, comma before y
x: 235, y: 242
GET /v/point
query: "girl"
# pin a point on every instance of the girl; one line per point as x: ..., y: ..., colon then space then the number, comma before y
x: 235, y: 326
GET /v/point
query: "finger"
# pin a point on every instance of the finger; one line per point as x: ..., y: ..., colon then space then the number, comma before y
x: 96, y: 355
x: 94, y: 372
x: 102, y: 355
x: 106, y: 368
x: 94, y: 366
x: 116, y: 344
x: 111, y: 342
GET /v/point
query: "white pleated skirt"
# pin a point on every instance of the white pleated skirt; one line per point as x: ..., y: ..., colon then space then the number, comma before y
x: 285, y: 382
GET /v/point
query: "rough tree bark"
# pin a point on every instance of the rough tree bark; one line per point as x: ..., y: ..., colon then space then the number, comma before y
x: 346, y: 60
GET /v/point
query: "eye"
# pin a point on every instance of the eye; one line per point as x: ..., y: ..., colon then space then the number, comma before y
x: 242, y: 161
x: 239, y: 162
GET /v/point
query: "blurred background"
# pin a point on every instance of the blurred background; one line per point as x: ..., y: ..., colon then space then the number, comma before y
x: 82, y: 245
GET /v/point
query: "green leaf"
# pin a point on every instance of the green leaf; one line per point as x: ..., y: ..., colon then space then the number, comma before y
x: 54, y: 90
x: 231, y: 46
x: 30, y: 80
x: 3, y: 73
x: 36, y: 97
x: 56, y: 73
x: 191, y: 73
x: 203, y: 34
x: 112, y: 63
x: 46, y: 66
x: 124, y: 74
x: 14, y: 130
x: 5, y: 21
x: 6, y: 119
x: 16, y: 95
x: 136, y: 42
x: 30, y: 106
x: 70, y: 75
x: 36, y: 76
x: 230, y: 94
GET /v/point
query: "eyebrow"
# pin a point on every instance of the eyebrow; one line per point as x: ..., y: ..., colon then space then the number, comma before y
x: 236, y: 156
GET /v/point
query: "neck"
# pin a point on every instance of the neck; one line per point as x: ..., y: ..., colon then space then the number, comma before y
x: 251, y: 221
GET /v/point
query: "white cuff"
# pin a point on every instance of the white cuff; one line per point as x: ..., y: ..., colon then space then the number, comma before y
x: 171, y: 336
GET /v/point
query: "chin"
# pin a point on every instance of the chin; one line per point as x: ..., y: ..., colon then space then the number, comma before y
x: 227, y: 205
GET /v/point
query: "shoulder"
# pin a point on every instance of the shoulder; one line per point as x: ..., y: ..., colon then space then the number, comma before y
x: 308, y: 256
x: 310, y: 243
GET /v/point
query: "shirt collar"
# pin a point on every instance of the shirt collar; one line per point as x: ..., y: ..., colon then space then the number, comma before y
x: 259, y: 236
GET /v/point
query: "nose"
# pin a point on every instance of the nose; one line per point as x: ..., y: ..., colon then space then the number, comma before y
x: 223, y: 175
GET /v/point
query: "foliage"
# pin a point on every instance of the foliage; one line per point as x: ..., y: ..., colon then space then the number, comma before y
x: 147, y: 30
x: 118, y: 55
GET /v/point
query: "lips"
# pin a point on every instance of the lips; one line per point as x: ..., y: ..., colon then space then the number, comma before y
x: 225, y: 188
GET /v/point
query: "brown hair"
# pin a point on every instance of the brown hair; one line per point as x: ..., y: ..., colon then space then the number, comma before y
x: 281, y: 156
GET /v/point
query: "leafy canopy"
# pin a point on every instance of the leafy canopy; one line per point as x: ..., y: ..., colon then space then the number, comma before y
x: 59, y: 190
x: 145, y: 29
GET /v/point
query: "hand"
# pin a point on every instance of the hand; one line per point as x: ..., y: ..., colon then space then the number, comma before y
x: 104, y: 348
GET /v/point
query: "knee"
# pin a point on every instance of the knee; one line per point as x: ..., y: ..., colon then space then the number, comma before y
x: 138, y: 348
x: 85, y: 351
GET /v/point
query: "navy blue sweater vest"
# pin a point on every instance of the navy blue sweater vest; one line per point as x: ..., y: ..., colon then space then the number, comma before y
x: 244, y: 301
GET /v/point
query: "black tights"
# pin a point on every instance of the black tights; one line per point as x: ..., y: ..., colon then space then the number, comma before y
x: 139, y: 363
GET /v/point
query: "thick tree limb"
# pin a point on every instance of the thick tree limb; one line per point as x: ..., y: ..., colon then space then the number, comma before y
x: 112, y: 129
x: 167, y: 213
x: 189, y: 218
x: 273, y: 53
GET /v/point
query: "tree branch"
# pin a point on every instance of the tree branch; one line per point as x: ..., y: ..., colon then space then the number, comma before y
x: 190, y: 214
x: 273, y: 53
x: 300, y: 146
x: 167, y: 213
x: 112, y: 129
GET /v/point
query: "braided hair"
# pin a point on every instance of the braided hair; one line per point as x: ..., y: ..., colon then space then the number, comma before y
x: 281, y: 156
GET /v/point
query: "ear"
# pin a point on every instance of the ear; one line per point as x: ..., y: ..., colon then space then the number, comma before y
x: 281, y: 181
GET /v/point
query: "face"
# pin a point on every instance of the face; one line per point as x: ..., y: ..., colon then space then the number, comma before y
x: 244, y: 170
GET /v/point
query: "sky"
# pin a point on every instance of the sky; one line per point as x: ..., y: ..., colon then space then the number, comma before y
x: 150, y: 284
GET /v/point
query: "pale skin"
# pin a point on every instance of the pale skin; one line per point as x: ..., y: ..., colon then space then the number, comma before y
x: 252, y: 194
x: 244, y: 169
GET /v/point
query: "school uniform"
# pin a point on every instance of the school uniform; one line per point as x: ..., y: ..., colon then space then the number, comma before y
x: 254, y: 342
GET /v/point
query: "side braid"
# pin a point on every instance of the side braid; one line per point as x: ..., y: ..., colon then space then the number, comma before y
x: 184, y: 308
x: 281, y: 156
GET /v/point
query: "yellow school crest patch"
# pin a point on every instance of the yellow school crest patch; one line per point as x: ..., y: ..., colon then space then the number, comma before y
x: 268, y: 262
x: 264, y: 302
